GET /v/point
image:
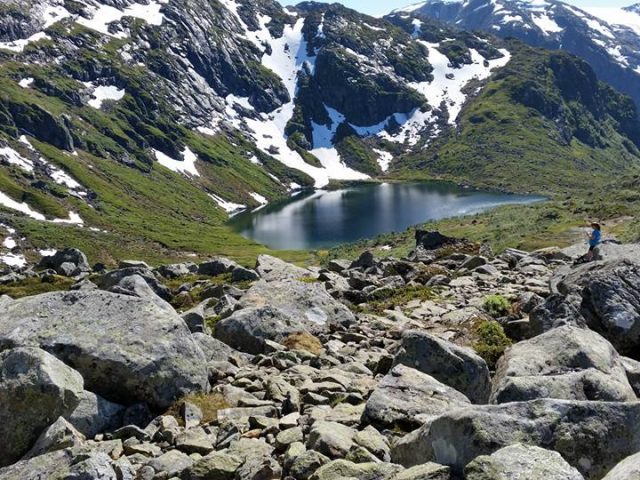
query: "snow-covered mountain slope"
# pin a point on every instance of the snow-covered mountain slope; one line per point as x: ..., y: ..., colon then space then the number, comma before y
x: 154, y: 120
x: 295, y: 82
x: 608, y: 38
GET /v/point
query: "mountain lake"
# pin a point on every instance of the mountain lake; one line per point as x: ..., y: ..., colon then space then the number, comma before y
x: 322, y: 219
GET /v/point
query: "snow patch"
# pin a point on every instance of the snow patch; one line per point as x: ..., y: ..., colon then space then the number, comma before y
x: 74, y: 219
x: 546, y: 23
x: 384, y: 159
x: 14, y: 158
x: 228, y: 207
x: 103, y: 15
x: 447, y: 87
x: 186, y: 167
x: 19, y: 45
x: 13, y: 260
x: 9, y: 243
x: 287, y: 57
x: 617, y: 16
x: 56, y: 174
x: 26, y: 82
x: 104, y: 92
x: 23, y: 207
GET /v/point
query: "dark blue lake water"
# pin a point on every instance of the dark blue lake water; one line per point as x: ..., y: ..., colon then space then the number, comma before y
x: 329, y: 218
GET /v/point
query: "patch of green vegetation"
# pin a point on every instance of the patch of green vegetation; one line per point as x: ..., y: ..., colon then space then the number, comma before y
x: 355, y: 153
x: 491, y: 342
x: 36, y: 286
x: 389, y: 299
x: 208, y: 403
x: 211, y: 322
x: 496, y: 305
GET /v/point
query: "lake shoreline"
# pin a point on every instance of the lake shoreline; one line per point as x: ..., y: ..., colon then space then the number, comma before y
x: 330, y: 217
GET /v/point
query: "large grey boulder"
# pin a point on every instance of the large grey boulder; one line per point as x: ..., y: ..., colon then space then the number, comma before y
x: 137, y: 286
x: 607, y: 296
x: 406, y: 398
x: 271, y: 269
x: 35, y: 389
x: 50, y: 466
x: 217, y: 266
x: 568, y: 363
x: 117, y: 279
x: 591, y: 436
x: 308, y: 303
x: 127, y: 349
x: 69, y: 262
x: 95, y: 415
x: 455, y: 366
x: 248, y: 330
x: 628, y: 469
x: 343, y: 469
x: 331, y: 439
x: 58, y: 436
x: 521, y: 462
x: 275, y: 310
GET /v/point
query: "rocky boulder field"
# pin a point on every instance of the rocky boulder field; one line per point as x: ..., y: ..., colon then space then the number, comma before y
x: 452, y: 363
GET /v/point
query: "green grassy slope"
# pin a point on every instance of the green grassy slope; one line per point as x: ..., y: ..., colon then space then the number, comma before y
x: 541, y: 124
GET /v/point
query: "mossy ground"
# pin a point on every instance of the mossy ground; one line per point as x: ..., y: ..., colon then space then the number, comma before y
x: 208, y: 403
x: 394, y: 298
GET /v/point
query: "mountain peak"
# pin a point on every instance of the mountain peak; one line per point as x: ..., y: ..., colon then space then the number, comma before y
x: 635, y: 8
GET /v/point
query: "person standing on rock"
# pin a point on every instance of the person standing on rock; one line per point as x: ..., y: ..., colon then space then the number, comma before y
x: 594, y: 240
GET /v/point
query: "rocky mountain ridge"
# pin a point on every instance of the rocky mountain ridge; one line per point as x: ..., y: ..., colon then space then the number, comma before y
x: 607, y: 38
x: 377, y: 368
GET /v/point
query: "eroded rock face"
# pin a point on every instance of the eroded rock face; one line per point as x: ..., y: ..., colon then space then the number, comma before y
x: 591, y: 436
x: 607, y: 297
x: 35, y: 389
x: 521, y: 462
x: 448, y: 363
x: 127, y: 349
x: 406, y: 398
x: 568, y: 363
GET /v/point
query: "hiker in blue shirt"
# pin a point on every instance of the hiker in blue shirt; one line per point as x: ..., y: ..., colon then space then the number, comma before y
x: 594, y: 240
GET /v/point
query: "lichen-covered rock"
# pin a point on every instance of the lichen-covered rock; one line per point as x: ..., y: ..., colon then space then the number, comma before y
x: 127, y: 349
x: 406, y: 398
x: 521, y: 462
x: 568, y: 363
x: 331, y: 439
x: 607, y: 296
x: 341, y: 469
x: 274, y: 310
x: 591, y: 436
x: 426, y: 471
x: 273, y: 269
x: 308, y: 303
x: 35, y: 389
x: 458, y: 367
x: 60, y: 435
